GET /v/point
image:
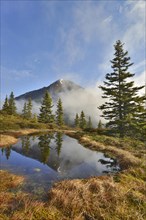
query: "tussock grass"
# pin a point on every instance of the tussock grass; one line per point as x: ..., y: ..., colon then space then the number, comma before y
x: 125, y: 158
x: 112, y: 197
x: 100, y: 198
x: 11, y: 137
x: 7, y: 140
x: 18, y: 205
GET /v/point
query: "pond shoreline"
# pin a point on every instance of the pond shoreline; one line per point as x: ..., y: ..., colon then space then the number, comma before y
x: 10, y: 137
x: 125, y: 158
x: 118, y: 196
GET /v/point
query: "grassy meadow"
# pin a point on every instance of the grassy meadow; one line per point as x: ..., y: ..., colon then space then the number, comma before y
x: 117, y: 196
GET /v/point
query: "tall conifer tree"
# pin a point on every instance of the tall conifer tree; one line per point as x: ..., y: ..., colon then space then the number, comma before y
x: 59, y: 113
x: 24, y: 111
x: 46, y: 115
x: 123, y: 99
x: 82, y: 120
x: 89, y: 123
x: 5, y: 107
x: 77, y: 121
x: 29, y: 109
x: 99, y: 126
x: 12, y: 105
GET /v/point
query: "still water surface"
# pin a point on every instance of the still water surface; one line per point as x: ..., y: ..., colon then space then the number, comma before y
x: 50, y: 157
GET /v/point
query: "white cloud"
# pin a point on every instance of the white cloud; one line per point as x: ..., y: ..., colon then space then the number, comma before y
x: 92, y: 22
x: 136, y: 68
x: 89, y: 22
x: 134, y: 35
x: 120, y: 9
x: 108, y: 19
x: 140, y: 80
x: 15, y: 74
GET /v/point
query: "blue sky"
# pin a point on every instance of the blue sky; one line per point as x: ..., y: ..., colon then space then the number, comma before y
x: 42, y: 41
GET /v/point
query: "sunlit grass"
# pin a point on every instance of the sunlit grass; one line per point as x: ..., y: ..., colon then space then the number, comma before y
x: 6, y: 140
x: 119, y: 196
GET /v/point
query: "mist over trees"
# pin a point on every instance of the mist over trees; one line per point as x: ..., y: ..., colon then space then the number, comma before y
x: 27, y: 109
x: 89, y: 123
x: 83, y: 122
x: 59, y: 113
x: 124, y: 108
x: 77, y: 121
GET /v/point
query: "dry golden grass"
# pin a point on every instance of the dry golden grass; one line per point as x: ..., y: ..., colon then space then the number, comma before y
x: 15, y: 204
x: 100, y: 198
x: 6, y: 140
x: 117, y: 197
x: 125, y: 158
x: 10, y: 137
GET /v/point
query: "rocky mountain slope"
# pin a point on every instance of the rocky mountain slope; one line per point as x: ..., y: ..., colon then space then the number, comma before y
x: 55, y: 90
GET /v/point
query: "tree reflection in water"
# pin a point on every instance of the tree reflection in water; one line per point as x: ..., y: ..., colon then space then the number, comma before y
x: 6, y: 151
x: 25, y: 144
x: 44, y: 144
x: 58, y: 141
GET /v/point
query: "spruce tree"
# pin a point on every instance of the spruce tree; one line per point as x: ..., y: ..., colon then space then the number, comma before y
x: 12, y: 105
x: 89, y: 123
x: 5, y: 107
x: 35, y: 118
x: 46, y: 115
x: 59, y: 113
x: 58, y: 141
x: 123, y: 99
x: 99, y: 124
x: 77, y: 121
x: 82, y: 120
x: 29, y: 109
x: 24, y: 111
x: 44, y: 145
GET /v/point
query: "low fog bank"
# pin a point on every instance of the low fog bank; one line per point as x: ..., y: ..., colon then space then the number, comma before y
x: 87, y: 100
x: 35, y: 106
x: 74, y: 102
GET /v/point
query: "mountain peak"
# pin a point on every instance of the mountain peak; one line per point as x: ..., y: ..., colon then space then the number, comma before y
x: 61, y: 81
x: 59, y: 86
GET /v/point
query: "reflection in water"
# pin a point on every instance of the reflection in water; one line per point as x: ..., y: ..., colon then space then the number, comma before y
x: 58, y: 141
x: 51, y: 157
x: 6, y: 151
x: 44, y: 144
x: 25, y: 144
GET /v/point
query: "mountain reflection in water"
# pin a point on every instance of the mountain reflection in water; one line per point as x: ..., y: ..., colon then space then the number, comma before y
x: 51, y: 157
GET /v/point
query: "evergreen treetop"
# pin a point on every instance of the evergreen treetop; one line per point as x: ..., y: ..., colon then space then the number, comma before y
x: 59, y: 113
x: 9, y: 105
x: 46, y: 115
x: 89, y: 123
x: 12, y: 105
x: 77, y: 121
x: 29, y: 109
x: 122, y: 96
x: 82, y: 120
x: 5, y: 107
